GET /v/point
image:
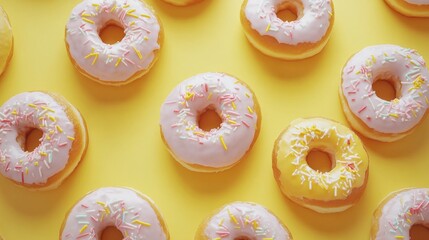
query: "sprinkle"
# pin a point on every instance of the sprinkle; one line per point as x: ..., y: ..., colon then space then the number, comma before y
x: 83, y: 228
x: 245, y: 123
x: 395, y: 115
x: 113, y: 8
x: 268, y: 27
x: 87, y: 20
x: 399, y: 237
x: 145, y: 15
x: 223, y: 143
x: 233, y: 218
x: 84, y: 14
x: 43, y: 153
x: 142, y: 223
x: 233, y: 105
x: 32, y: 105
x: 58, y: 128
x: 209, y: 96
x: 139, y: 54
x: 118, y: 61
x: 249, y: 109
x: 363, y: 108
x: 130, y: 13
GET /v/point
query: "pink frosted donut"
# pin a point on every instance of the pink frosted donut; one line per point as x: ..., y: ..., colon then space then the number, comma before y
x: 121, y: 62
x: 372, y: 116
x: 399, y: 212
x: 217, y: 149
x: 132, y: 213
x: 61, y: 147
x: 242, y: 221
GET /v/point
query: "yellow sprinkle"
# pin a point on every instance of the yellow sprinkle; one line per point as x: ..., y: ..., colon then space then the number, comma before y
x: 113, y: 8
x: 58, y: 128
x: 394, y: 115
x: 142, y: 223
x: 36, y: 164
x: 118, y: 62
x: 209, y: 96
x: 223, y: 143
x: 199, y: 133
x: 139, y: 54
x: 145, y: 15
x: 399, y: 237
x: 14, y: 112
x: 221, y: 221
x: 87, y: 20
x: 396, y: 101
x: 43, y: 154
x: 130, y: 13
x: 125, y: 6
x: 267, y: 238
x: 52, y: 118
x: 414, y: 113
x: 84, y: 14
x: 232, y: 122
x: 101, y: 203
x: 255, y: 225
x: 232, y: 217
x: 233, y: 105
x: 26, y: 170
x: 48, y: 108
x: 32, y: 105
x: 83, y: 228
x: 71, y: 138
x: 218, y: 238
x: 373, y: 59
x: 132, y: 23
x: 95, y: 59
x: 189, y: 95
x: 250, y: 109
x: 248, y: 95
x: 268, y: 27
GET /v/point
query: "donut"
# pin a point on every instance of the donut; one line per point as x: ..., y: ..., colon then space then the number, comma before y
x: 122, y: 62
x: 398, y: 212
x: 410, y: 8
x: 377, y: 118
x: 219, y: 148
x: 241, y: 221
x: 61, y: 147
x: 323, y: 192
x: 182, y: 2
x: 132, y: 213
x: 6, y: 41
x: 288, y: 40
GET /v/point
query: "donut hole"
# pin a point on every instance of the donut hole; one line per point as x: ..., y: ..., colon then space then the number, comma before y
x: 244, y: 238
x: 29, y: 139
x: 289, y: 11
x: 387, y: 87
x: 209, y: 119
x: 112, y: 33
x: 320, y: 160
x: 111, y: 233
x: 419, y: 232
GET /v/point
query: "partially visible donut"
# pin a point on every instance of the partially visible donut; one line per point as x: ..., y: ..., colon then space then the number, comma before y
x: 6, y: 40
x: 61, y: 147
x: 398, y: 212
x: 182, y: 2
x: 410, y: 8
x: 132, y: 213
x: 242, y: 221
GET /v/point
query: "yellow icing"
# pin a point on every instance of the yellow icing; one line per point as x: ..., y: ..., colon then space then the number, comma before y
x: 5, y: 39
x: 299, y: 180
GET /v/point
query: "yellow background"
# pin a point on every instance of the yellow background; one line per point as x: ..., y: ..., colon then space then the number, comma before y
x: 125, y: 147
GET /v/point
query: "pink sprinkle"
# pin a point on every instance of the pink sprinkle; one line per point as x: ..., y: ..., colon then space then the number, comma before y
x: 222, y: 234
x: 7, y: 166
x: 248, y: 115
x: 22, y: 177
x: 245, y: 123
x: 233, y: 113
x: 62, y: 144
x: 84, y: 206
x: 353, y: 99
x: 83, y: 235
x: 368, y: 117
x: 94, y: 219
x: 363, y: 108
x: 206, y: 87
x: 176, y: 110
x: 351, y: 69
x: 351, y: 92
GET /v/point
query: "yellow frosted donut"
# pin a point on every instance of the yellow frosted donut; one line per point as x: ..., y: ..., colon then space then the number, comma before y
x: 182, y: 3
x: 6, y: 40
x: 324, y: 192
x: 410, y: 8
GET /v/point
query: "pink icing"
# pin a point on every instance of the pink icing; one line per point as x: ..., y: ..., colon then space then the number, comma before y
x: 401, y: 212
x: 120, y: 61
x: 234, y: 104
x: 241, y: 219
x: 22, y: 113
x: 396, y: 116
x: 112, y: 206
x: 311, y: 26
